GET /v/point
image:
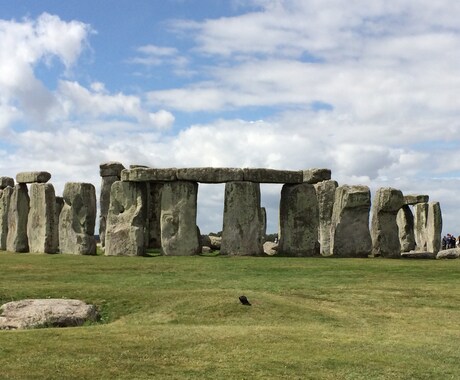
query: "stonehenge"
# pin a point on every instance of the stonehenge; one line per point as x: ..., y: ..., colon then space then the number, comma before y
x: 144, y: 208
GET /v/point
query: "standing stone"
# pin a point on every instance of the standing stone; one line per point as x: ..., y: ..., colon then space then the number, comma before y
x: 434, y: 227
x: 350, y: 235
x: 384, y: 229
x: 179, y: 232
x: 241, y: 234
x: 59, y: 204
x: 299, y: 220
x: 41, y: 224
x: 78, y: 219
x: 18, y: 213
x: 405, y: 222
x: 263, y: 225
x: 154, y: 214
x: 5, y: 198
x: 125, y: 220
x: 325, y: 192
x: 420, y: 218
x: 110, y: 172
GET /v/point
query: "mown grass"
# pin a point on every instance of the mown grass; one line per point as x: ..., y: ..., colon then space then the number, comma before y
x: 180, y: 318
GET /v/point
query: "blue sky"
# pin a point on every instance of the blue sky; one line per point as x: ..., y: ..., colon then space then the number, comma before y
x: 367, y: 89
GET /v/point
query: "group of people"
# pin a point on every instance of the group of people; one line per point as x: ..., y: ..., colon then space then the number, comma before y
x: 450, y: 241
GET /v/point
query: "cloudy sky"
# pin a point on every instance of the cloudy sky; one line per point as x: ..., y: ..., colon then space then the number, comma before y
x: 369, y: 89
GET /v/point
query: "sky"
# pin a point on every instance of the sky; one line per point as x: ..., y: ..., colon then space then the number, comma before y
x: 367, y: 89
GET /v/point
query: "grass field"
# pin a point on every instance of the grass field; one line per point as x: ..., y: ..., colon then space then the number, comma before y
x: 180, y: 318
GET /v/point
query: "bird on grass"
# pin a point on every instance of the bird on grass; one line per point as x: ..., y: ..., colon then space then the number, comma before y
x: 244, y: 300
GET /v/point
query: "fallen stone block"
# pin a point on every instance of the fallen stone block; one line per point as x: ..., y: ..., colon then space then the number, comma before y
x: 35, y: 313
x: 452, y: 253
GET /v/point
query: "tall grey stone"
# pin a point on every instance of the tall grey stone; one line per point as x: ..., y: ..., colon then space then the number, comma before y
x: 434, y: 227
x: 263, y: 225
x: 110, y: 172
x: 299, y: 220
x: 384, y: 229
x: 41, y: 224
x: 5, y: 198
x: 125, y: 232
x: 18, y: 213
x: 325, y: 192
x: 59, y: 204
x: 405, y: 222
x: 77, y: 219
x: 420, y: 219
x: 179, y: 232
x: 153, y: 216
x: 241, y: 234
x: 350, y: 235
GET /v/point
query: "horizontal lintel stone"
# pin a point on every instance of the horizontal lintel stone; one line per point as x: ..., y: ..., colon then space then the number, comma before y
x: 210, y: 175
x: 313, y: 176
x: 413, y: 199
x: 272, y: 175
x: 149, y: 175
x: 33, y: 177
x: 110, y: 169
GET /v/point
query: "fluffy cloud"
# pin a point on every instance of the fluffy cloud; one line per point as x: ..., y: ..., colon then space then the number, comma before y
x: 367, y: 90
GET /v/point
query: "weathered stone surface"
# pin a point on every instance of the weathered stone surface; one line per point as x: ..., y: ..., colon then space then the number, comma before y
x: 5, y: 182
x: 41, y: 224
x: 125, y: 231
x: 135, y: 166
x: 153, y: 222
x: 263, y: 225
x: 384, y: 229
x: 433, y: 227
x: 149, y: 175
x: 33, y: 177
x: 272, y: 175
x: 111, y: 169
x: 179, y: 235
x: 205, y: 249
x: 413, y: 199
x: 299, y: 221
x: 210, y: 175
x: 270, y: 248
x: 418, y: 255
x: 405, y: 222
x: 59, y: 204
x: 18, y: 213
x: 350, y: 235
x: 420, y: 219
x: 5, y: 198
x: 214, y: 242
x: 35, y: 313
x: 316, y: 175
x: 77, y: 219
x: 452, y: 253
x: 325, y: 192
x: 241, y: 234
x: 104, y: 203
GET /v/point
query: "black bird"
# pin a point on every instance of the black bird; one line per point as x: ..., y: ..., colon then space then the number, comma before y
x: 244, y: 300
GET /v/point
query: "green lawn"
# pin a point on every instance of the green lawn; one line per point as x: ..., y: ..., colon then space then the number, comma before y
x: 180, y: 318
